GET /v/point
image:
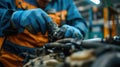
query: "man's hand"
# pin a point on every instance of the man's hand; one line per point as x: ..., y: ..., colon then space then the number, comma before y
x: 71, y: 32
x: 65, y: 31
x: 34, y: 20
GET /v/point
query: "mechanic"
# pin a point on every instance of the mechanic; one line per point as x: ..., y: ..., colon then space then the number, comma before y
x: 23, y: 25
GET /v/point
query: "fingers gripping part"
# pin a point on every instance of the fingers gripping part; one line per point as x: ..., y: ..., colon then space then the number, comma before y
x: 72, y: 32
x: 33, y: 20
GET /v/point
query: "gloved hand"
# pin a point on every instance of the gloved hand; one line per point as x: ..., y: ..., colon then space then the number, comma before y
x: 34, y: 20
x: 71, y: 32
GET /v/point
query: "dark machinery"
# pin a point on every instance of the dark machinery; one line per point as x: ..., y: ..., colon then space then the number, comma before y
x: 55, y: 32
x: 78, y: 53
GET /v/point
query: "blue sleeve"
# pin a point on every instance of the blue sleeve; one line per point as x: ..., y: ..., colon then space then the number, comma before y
x: 75, y: 19
x: 7, y: 7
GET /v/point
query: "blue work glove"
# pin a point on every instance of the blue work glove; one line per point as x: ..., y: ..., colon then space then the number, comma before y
x: 71, y: 32
x: 34, y: 20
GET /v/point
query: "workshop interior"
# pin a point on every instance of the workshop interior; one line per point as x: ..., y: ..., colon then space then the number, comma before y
x: 101, y: 44
x: 99, y: 48
x: 102, y: 17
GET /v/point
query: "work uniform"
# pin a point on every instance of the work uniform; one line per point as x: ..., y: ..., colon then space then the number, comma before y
x: 65, y: 13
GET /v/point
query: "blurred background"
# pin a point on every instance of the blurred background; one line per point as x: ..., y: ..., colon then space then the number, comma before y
x: 102, y: 17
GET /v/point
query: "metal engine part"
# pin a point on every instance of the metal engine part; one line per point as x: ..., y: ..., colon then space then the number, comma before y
x: 54, y: 32
x: 43, y: 61
x: 81, y: 58
x: 92, y: 53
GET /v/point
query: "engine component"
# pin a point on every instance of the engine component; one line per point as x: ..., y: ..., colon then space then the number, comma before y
x: 43, y: 61
x: 81, y: 59
x: 93, y: 54
x: 54, y: 32
x: 111, y: 59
